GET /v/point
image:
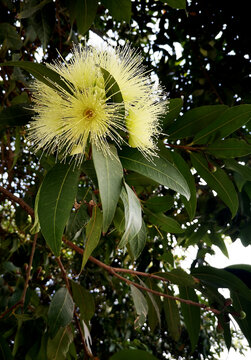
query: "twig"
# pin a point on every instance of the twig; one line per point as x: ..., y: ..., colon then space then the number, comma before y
x: 22, y: 300
x: 64, y: 274
x: 112, y: 271
x: 17, y: 200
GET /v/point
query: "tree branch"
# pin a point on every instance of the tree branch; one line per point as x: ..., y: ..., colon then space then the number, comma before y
x: 17, y: 200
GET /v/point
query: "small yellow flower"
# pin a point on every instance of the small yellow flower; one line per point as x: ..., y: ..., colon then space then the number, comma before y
x: 64, y: 123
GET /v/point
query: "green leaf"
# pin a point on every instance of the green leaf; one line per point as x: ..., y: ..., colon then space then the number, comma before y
x: 15, y: 115
x: 182, y: 166
x: 230, y: 121
x: 179, y: 277
x: 140, y: 304
x: 43, y: 22
x: 218, y: 241
x: 84, y: 300
x: 165, y: 223
x: 221, y: 278
x: 229, y: 148
x: 5, y: 352
x: 41, y: 73
x: 133, y: 354
x: 153, y: 303
x: 160, y: 203
x: 85, y: 14
x: 29, y: 10
x: 172, y: 317
x: 191, y: 314
x: 109, y: 173
x: 133, y: 216
x: 57, y: 195
x: 160, y: 170
x: 174, y: 108
x: 242, y: 304
x: 113, y: 93
x: 10, y: 37
x: 93, y: 233
x: 175, y: 4
x: 195, y: 120
x: 243, y: 170
x: 36, y: 226
x: 60, y: 311
x: 120, y: 11
x: 137, y: 244
x: 58, y: 347
x: 218, y: 181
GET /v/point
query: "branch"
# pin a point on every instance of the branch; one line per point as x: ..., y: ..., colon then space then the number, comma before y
x: 17, y: 200
x: 114, y: 271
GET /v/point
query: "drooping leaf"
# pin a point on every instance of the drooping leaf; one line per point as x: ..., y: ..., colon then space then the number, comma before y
x: 229, y: 148
x: 165, y: 223
x: 121, y: 11
x: 43, y: 21
x: 179, y: 277
x: 195, y: 120
x: 218, y: 241
x: 182, y: 166
x: 85, y: 12
x: 172, y: 316
x: 133, y: 354
x: 5, y: 352
x: 152, y: 301
x: 58, y: 347
x: 133, y: 216
x: 220, y: 278
x: 243, y: 170
x: 191, y: 314
x: 160, y: 203
x: 10, y: 37
x: 137, y: 244
x: 230, y: 121
x: 113, y: 93
x: 57, y: 195
x: 218, y: 181
x: 109, y: 173
x: 41, y: 73
x: 93, y: 233
x: 84, y: 300
x: 15, y: 115
x: 29, y: 10
x: 140, y: 304
x: 60, y: 311
x: 160, y: 170
x: 174, y: 108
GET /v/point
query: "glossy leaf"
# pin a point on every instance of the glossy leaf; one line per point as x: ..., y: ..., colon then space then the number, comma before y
x: 84, y: 300
x: 140, y: 304
x: 176, y: 4
x: 113, y: 93
x: 229, y: 148
x: 133, y: 216
x: 60, y: 311
x: 179, y: 277
x: 10, y: 37
x: 160, y: 170
x: 160, y: 203
x: 221, y: 278
x: 183, y: 167
x: 41, y: 73
x: 243, y: 170
x: 121, y: 12
x: 85, y: 14
x: 218, y: 181
x: 195, y: 120
x: 58, y: 347
x: 133, y: 354
x: 109, y: 173
x: 174, y: 108
x: 57, y: 195
x: 165, y: 223
x: 230, y: 121
x: 172, y: 317
x: 93, y: 233
x: 191, y: 314
x: 137, y: 244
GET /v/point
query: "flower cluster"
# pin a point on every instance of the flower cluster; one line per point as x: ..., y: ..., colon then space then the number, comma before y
x: 66, y: 121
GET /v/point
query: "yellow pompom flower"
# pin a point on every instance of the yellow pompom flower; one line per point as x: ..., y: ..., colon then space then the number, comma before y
x: 66, y: 121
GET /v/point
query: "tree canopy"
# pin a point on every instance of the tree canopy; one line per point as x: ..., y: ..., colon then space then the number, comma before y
x: 89, y: 268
